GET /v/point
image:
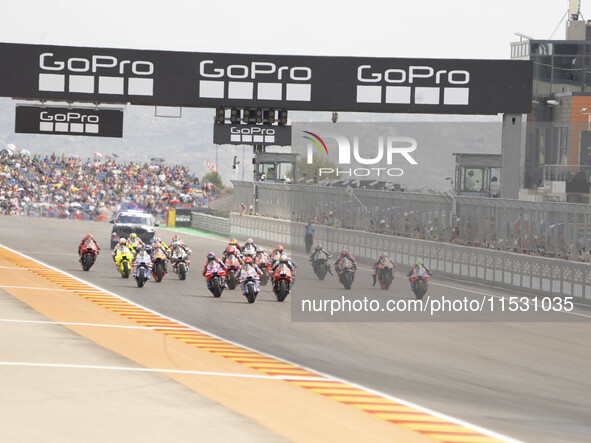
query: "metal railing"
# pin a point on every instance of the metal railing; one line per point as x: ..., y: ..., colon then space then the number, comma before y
x: 550, y: 229
x: 566, y: 173
x: 527, y: 273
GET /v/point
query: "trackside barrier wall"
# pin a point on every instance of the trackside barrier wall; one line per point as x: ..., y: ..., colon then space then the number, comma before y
x: 210, y: 223
x: 520, y: 272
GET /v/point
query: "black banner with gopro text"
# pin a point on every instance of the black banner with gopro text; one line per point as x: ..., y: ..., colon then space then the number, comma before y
x: 262, y: 135
x: 312, y: 83
x: 69, y: 121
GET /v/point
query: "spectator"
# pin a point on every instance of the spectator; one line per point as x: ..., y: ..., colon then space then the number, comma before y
x: 309, y: 236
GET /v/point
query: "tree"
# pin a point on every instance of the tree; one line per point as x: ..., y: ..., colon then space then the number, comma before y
x: 311, y: 170
x: 215, y: 179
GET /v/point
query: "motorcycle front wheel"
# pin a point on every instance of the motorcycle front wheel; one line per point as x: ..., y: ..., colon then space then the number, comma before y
x: 182, y: 271
x: 250, y: 293
x: 140, y: 279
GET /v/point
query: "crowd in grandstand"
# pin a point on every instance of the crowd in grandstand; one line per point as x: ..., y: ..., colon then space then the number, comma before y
x: 67, y: 187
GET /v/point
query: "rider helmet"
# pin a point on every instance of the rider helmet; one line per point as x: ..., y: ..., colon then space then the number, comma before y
x: 132, y: 235
x: 233, y: 242
x: 419, y: 262
x: 175, y: 238
x: 280, y: 248
x: 318, y: 247
x: 210, y: 256
x: 248, y: 260
x: 250, y: 240
x: 260, y: 250
x: 122, y: 241
x: 344, y: 252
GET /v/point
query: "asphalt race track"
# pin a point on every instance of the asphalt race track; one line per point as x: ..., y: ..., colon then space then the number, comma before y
x: 526, y: 380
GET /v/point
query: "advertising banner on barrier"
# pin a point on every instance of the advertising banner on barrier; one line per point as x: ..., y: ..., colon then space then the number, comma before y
x: 69, y: 121
x: 183, y: 218
x: 312, y: 83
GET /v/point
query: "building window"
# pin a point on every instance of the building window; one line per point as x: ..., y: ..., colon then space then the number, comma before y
x: 472, y: 180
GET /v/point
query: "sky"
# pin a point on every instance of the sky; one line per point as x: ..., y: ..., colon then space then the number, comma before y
x: 384, y: 28
x: 423, y: 29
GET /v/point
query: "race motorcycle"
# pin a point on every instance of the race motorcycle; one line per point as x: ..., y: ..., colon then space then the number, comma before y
x: 346, y: 272
x: 123, y: 261
x: 249, y: 276
x: 275, y: 256
x: 142, y: 266
x: 233, y: 264
x: 419, y: 281
x: 281, y: 281
x: 385, y: 275
x: 180, y: 261
x: 320, y: 264
x: 249, y: 251
x: 88, y: 254
x: 215, y: 275
x: 265, y: 266
x: 159, y: 258
x: 133, y: 247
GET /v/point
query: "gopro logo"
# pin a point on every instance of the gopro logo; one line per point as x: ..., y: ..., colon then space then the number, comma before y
x: 258, y: 80
x: 419, y: 85
x: 102, y: 74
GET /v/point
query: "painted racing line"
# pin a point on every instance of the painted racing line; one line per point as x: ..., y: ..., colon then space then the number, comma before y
x: 396, y: 411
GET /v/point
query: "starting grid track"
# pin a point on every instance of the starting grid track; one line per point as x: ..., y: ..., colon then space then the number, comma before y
x: 395, y: 411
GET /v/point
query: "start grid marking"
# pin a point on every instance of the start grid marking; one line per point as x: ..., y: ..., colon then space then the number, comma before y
x: 420, y: 421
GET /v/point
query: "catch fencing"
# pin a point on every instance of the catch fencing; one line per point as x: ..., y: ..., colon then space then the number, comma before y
x: 520, y: 272
x: 550, y: 229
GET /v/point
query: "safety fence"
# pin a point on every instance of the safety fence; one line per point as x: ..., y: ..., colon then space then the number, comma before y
x: 210, y: 223
x: 520, y: 272
x: 550, y: 229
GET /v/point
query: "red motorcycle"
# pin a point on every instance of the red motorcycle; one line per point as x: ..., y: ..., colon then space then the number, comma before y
x: 233, y: 264
x: 214, y: 275
x: 282, y: 281
x: 88, y: 254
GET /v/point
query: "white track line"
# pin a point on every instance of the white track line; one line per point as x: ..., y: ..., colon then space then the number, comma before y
x: 170, y: 371
x: 330, y: 377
